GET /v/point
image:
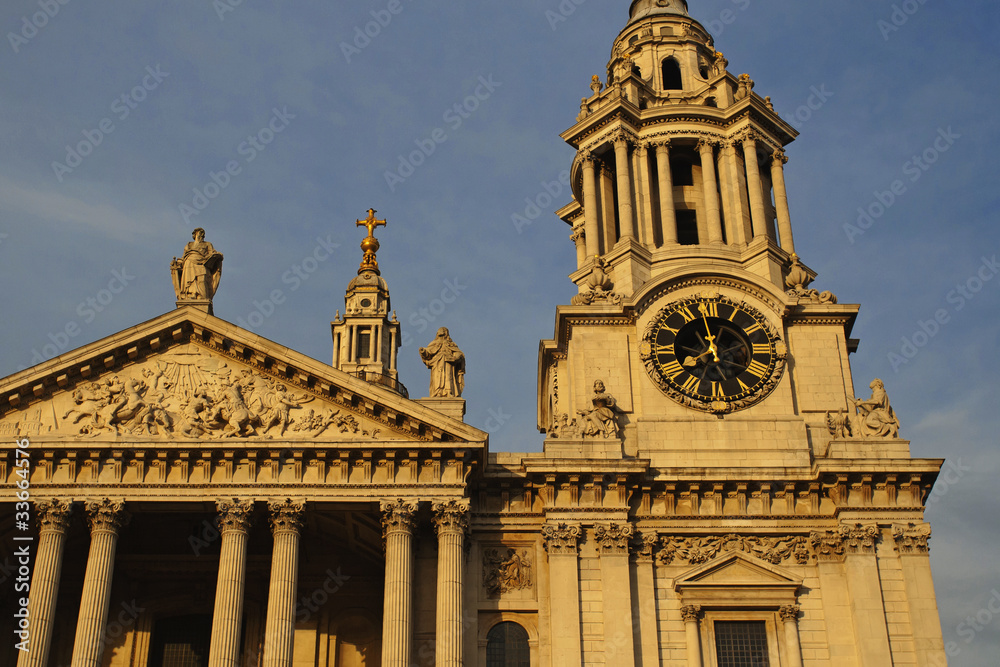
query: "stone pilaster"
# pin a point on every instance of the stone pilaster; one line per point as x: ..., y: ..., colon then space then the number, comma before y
x: 451, y: 521
x: 234, y: 526
x: 692, y: 620
x: 830, y: 552
x: 106, y: 518
x: 626, y: 222
x: 711, y: 191
x: 591, y: 216
x: 778, y: 162
x: 53, y: 518
x: 668, y: 207
x: 754, y: 185
x: 286, y: 526
x: 912, y: 543
x: 790, y: 618
x: 561, y: 542
x: 865, y: 589
x: 613, y: 542
x: 398, y: 520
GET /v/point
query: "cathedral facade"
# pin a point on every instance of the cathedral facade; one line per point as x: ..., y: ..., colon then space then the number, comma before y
x: 711, y: 491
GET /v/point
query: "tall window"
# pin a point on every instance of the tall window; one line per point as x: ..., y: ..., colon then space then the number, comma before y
x: 687, y: 227
x: 672, y: 75
x: 741, y: 644
x: 181, y: 641
x: 364, y: 343
x: 507, y: 646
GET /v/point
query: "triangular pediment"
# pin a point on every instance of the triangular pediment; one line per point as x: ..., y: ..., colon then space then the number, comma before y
x: 190, y: 376
x: 737, y: 568
x: 737, y: 579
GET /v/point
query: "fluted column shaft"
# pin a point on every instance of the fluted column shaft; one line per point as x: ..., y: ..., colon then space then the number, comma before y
x: 591, y: 215
x: 668, y: 208
x: 397, y: 615
x: 53, y: 521
x: 279, y: 633
x: 106, y: 519
x: 691, y: 614
x: 790, y: 616
x: 711, y: 191
x: 624, y: 173
x: 579, y: 238
x: 779, y: 159
x: 451, y: 520
x: 754, y: 187
x: 644, y: 195
x: 234, y: 525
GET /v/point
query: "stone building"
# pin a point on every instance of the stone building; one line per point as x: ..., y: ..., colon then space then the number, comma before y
x: 710, y: 492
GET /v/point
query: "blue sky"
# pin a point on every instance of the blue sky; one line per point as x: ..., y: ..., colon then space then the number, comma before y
x: 199, y: 78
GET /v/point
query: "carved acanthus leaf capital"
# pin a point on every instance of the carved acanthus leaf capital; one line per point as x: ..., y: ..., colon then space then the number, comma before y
x: 53, y: 515
x: 706, y: 145
x: 561, y: 538
x: 587, y: 157
x: 859, y: 538
x: 644, y: 547
x: 779, y: 156
x: 620, y: 138
x: 691, y: 613
x: 912, y: 538
x: 662, y: 144
x: 286, y: 515
x: 398, y: 515
x: 451, y: 515
x: 789, y: 612
x: 234, y: 515
x: 828, y: 544
x: 614, y: 538
x: 107, y: 515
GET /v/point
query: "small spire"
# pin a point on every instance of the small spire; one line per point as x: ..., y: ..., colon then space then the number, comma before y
x: 370, y: 245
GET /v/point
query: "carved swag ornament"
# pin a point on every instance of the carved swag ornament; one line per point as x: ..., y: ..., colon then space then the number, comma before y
x: 698, y: 550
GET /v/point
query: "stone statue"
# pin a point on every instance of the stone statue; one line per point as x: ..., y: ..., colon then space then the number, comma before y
x: 602, y: 420
x: 447, y: 364
x: 197, y: 275
x: 876, y: 418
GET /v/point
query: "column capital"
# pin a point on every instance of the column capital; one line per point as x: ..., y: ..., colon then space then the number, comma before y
x: 779, y: 157
x: 286, y: 515
x: 643, y: 547
x: 828, y: 544
x: 613, y: 539
x: 641, y: 147
x: 53, y: 515
x: 661, y: 143
x: 691, y: 613
x: 706, y: 144
x: 789, y: 612
x: 451, y: 515
x: 561, y: 538
x: 912, y: 538
x: 860, y: 538
x: 234, y: 515
x: 749, y: 137
x: 620, y: 138
x: 587, y: 157
x: 398, y: 515
x: 579, y: 234
x: 107, y: 515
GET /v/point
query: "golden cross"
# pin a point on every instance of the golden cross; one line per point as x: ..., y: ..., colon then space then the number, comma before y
x: 371, y: 223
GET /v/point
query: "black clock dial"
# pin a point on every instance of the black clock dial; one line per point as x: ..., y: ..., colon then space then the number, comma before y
x: 713, y: 350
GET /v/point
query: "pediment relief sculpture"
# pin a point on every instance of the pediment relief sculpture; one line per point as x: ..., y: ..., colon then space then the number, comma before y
x: 188, y: 393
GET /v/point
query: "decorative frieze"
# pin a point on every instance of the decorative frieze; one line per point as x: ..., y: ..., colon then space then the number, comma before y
x: 698, y: 550
x: 506, y: 570
x: 614, y: 538
x: 561, y: 538
x: 912, y: 538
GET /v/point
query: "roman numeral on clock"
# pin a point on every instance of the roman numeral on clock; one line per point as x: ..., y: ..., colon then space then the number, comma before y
x: 757, y: 368
x: 691, y: 384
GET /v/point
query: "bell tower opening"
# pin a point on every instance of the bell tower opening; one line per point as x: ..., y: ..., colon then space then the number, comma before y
x: 672, y: 79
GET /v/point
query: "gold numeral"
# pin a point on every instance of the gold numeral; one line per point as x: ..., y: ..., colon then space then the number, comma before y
x: 745, y: 388
x: 673, y: 331
x: 709, y: 308
x: 673, y: 369
x: 686, y: 314
x: 754, y: 327
x: 717, y: 390
x: 762, y: 348
x: 757, y: 368
x: 691, y: 384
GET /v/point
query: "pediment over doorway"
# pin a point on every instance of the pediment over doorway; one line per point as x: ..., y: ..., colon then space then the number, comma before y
x: 738, y: 580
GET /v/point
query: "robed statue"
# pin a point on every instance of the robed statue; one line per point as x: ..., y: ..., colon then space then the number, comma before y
x: 196, y: 275
x: 447, y: 364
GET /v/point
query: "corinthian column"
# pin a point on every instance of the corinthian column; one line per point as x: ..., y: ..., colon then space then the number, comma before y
x: 754, y: 186
x: 579, y: 239
x: 106, y: 518
x: 623, y: 168
x: 234, y: 525
x: 612, y: 541
x: 562, y: 543
x: 668, y: 208
x: 914, y: 557
x: 790, y: 617
x: 691, y: 615
x: 591, y: 217
x: 53, y: 522
x: 711, y: 190
x: 865, y: 589
x: 286, y: 525
x: 451, y: 520
x: 397, y: 624
x: 778, y: 162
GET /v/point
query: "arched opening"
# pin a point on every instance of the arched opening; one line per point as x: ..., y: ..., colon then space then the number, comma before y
x: 672, y: 75
x: 507, y: 646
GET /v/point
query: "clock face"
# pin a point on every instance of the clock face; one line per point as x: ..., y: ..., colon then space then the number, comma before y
x: 713, y: 353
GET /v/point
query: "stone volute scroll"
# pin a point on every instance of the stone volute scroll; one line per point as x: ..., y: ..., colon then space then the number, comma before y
x: 870, y: 419
x: 597, y: 288
x: 196, y: 275
x: 797, y: 281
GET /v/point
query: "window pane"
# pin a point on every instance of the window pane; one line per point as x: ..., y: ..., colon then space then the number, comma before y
x: 181, y: 642
x: 741, y: 644
x: 507, y: 646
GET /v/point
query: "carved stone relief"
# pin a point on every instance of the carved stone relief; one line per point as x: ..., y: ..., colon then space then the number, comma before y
x: 506, y: 570
x: 698, y: 550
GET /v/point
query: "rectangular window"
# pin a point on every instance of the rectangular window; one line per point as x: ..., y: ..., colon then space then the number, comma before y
x: 364, y: 343
x: 687, y: 227
x: 741, y: 644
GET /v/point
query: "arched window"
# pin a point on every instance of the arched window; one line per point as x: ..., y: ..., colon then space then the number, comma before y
x: 507, y: 646
x: 672, y: 75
